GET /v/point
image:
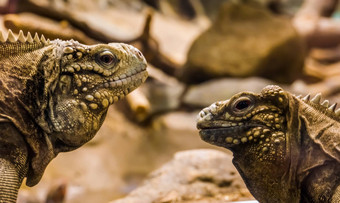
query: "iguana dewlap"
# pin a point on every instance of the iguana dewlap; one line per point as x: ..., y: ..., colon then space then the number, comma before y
x: 54, y: 96
x: 286, y: 149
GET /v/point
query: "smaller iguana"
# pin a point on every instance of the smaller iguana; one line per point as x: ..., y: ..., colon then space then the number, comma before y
x: 286, y: 149
x: 54, y: 96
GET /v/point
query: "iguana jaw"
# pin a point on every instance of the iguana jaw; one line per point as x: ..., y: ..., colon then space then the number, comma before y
x: 223, y: 136
x: 107, y: 91
x: 231, y: 135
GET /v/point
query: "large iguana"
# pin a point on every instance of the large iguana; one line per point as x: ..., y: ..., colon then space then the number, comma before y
x: 54, y: 96
x: 286, y: 149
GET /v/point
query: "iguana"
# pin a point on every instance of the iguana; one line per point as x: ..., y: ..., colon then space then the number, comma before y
x: 54, y: 96
x: 287, y: 149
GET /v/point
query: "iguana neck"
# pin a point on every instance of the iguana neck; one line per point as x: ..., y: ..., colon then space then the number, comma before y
x: 31, y: 81
x: 254, y: 173
x: 10, y: 181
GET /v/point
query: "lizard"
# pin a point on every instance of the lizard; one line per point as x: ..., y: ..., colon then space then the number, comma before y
x: 54, y: 96
x: 285, y: 147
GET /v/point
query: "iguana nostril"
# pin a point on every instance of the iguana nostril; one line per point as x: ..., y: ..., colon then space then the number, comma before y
x: 139, y: 54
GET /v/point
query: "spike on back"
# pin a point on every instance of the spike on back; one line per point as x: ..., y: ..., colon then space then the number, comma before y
x: 36, y: 38
x: 42, y: 39
x: 29, y: 38
x: 332, y: 107
x: 22, y: 39
x: 306, y: 98
x: 325, y: 103
x: 2, y: 39
x: 316, y: 100
x: 11, y: 37
x: 337, y: 112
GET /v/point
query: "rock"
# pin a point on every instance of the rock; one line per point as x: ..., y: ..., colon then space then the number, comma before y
x: 123, y: 21
x: 246, y: 40
x: 57, y: 192
x: 162, y: 91
x: 193, y: 9
x: 329, y: 88
x: 176, y: 122
x: 206, y: 93
x: 334, y: 98
x: 322, y: 69
x: 138, y: 105
x: 195, y: 175
x: 8, y: 6
x: 119, y: 21
x: 175, y: 35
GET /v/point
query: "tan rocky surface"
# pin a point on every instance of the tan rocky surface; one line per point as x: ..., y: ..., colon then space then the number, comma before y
x: 194, y: 175
x: 246, y: 40
x: 122, y: 21
x: 206, y: 93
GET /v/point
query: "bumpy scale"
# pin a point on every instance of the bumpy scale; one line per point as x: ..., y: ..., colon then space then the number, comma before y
x: 54, y: 96
x: 286, y: 148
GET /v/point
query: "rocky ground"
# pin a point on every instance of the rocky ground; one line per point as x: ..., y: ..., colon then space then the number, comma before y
x: 148, y: 149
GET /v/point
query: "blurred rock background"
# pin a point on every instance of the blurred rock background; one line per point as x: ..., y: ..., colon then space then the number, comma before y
x: 199, y: 52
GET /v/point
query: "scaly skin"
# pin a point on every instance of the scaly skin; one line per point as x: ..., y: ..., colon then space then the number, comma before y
x: 54, y: 96
x: 286, y: 149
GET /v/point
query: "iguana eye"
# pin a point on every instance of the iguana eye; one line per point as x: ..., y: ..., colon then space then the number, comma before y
x: 242, y: 104
x: 106, y: 58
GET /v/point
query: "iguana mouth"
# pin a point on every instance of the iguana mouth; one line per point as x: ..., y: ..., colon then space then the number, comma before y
x: 224, y: 133
x: 138, y: 75
x: 218, y: 136
x: 216, y: 131
x: 223, y: 136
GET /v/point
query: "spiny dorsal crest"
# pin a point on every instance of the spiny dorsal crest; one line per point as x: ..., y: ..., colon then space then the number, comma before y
x: 22, y: 39
x: 316, y: 100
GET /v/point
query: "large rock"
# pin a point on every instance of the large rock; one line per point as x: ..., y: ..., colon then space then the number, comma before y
x: 123, y: 21
x: 246, y: 40
x: 162, y: 91
x: 192, y: 176
x: 105, y: 21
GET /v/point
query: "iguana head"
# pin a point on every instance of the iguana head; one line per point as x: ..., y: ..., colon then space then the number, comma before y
x: 248, y: 121
x: 254, y: 127
x: 91, y: 79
